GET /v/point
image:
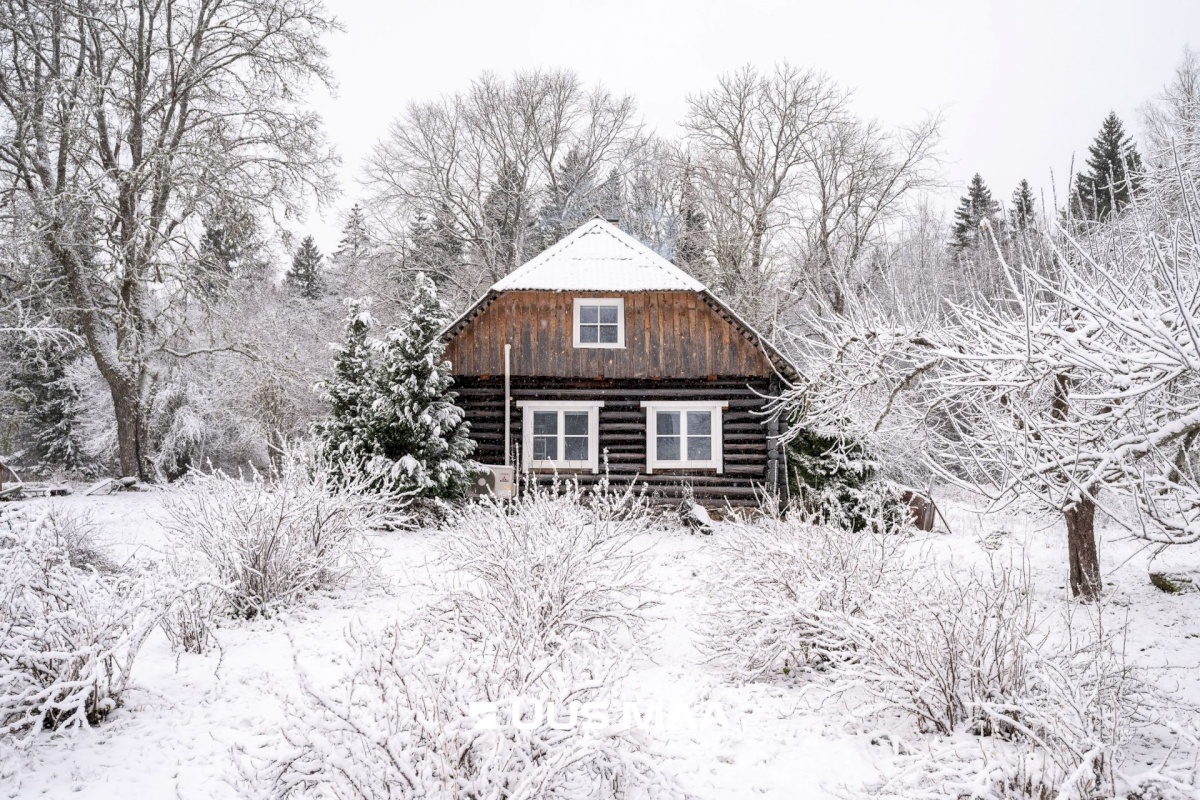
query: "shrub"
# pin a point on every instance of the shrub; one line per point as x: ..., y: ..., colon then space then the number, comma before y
x: 194, y: 603
x: 780, y: 588
x: 268, y: 542
x: 1053, y: 702
x: 547, y: 593
x: 401, y: 724
x: 68, y: 634
x: 551, y: 570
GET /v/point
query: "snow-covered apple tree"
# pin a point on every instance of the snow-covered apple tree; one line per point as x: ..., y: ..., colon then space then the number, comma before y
x: 1078, y: 390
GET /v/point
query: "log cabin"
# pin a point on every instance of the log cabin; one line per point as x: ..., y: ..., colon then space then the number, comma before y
x: 612, y: 361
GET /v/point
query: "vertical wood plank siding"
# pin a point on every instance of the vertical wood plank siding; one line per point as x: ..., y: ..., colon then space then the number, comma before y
x: 747, y: 451
x: 667, y: 335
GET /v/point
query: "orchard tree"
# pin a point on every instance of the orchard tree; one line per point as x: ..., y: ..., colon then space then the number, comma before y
x: 122, y: 125
x: 1080, y: 392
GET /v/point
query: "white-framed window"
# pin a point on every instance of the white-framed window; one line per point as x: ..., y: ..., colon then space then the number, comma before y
x: 683, y: 435
x: 599, y: 322
x: 561, y: 434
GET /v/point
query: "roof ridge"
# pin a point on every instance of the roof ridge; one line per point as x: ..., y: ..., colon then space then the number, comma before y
x: 641, y: 269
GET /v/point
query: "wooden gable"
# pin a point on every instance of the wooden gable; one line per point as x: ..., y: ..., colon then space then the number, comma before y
x: 668, y: 334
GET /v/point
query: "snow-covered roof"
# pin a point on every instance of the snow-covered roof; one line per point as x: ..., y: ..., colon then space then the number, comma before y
x: 599, y: 257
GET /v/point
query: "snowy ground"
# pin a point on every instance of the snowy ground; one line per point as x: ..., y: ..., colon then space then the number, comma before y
x: 176, y: 736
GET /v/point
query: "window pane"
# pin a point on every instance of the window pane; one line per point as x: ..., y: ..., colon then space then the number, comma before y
x: 575, y: 448
x: 699, y: 448
x: 588, y: 334
x: 588, y: 314
x: 575, y: 423
x: 700, y: 422
x: 608, y: 315
x: 668, y: 422
x: 608, y: 334
x: 545, y: 448
x: 545, y: 422
x: 668, y: 448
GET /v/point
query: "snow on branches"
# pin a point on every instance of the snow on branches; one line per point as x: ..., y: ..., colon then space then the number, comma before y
x: 267, y: 542
x: 70, y: 626
x: 537, y: 614
x: 1079, y: 390
x: 392, y: 411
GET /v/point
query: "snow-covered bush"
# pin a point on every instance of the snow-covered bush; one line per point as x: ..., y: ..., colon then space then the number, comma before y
x: 68, y: 634
x: 401, y: 724
x: 194, y: 601
x: 1052, y: 702
x: 268, y: 542
x: 547, y: 596
x: 549, y: 571
x: 780, y: 589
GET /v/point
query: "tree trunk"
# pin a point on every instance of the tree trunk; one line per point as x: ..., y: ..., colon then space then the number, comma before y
x: 1081, y: 549
x: 129, y: 430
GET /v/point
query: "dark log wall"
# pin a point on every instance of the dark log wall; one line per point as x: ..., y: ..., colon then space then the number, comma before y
x: 749, y: 458
x: 667, y: 335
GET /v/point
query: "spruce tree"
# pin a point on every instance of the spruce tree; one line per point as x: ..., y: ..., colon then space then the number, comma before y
x: 975, y: 207
x: 421, y: 431
x: 1113, y: 176
x: 565, y: 205
x: 433, y: 247
x: 304, y: 277
x: 356, y: 236
x: 693, y: 241
x: 347, y: 437
x: 1022, y: 216
x: 47, y: 404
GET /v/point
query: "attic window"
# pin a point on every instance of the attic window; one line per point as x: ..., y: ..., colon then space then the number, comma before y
x: 599, y: 322
x: 684, y: 435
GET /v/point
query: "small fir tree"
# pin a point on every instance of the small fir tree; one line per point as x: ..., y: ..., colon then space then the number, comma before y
x: 973, y: 209
x: 48, y: 404
x: 1113, y: 176
x: 1021, y: 216
x: 839, y: 480
x: 420, y: 428
x: 356, y: 236
x: 347, y: 437
x: 304, y: 277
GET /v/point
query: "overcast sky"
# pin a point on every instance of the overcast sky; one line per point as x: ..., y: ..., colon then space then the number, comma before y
x: 1024, y: 84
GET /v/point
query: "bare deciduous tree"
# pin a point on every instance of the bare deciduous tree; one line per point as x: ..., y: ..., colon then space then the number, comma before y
x: 123, y: 123
x: 751, y: 140
x: 796, y: 187
x: 480, y: 160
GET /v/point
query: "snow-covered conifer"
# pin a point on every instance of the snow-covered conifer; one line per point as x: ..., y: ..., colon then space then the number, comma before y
x: 305, y: 275
x: 346, y: 438
x: 413, y: 415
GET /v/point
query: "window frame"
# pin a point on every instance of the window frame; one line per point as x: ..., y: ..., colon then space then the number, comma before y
x: 592, y: 407
x: 716, y: 407
x: 609, y: 302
